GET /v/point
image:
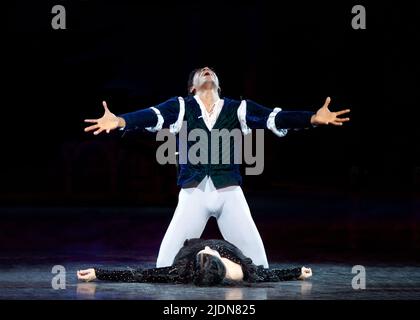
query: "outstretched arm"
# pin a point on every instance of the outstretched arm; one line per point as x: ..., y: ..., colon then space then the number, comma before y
x: 275, y: 275
x: 157, y: 275
x: 152, y: 118
x: 256, y: 116
x: 92, y: 274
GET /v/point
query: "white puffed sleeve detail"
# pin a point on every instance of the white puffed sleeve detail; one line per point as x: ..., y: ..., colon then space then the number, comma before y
x: 159, y: 122
x: 271, y: 124
x: 176, y: 127
x: 242, y: 118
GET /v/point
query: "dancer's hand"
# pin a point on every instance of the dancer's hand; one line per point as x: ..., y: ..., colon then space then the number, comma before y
x: 305, y: 273
x: 108, y: 122
x: 324, y: 116
x: 86, y: 275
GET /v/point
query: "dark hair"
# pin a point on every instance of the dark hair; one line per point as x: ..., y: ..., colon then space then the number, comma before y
x: 191, y: 80
x: 209, y: 270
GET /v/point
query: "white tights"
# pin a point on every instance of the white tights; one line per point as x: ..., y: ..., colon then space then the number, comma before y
x: 228, y: 205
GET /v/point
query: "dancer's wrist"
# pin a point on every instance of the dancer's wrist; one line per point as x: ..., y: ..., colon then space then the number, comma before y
x: 121, y: 122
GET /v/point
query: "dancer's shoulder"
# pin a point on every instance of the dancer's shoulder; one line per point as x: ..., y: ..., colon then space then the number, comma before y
x: 229, y: 102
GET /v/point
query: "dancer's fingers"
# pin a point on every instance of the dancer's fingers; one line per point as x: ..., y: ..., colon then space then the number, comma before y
x: 83, y: 275
x: 342, y: 119
x: 105, y: 106
x: 306, y: 272
x: 336, y: 123
x: 327, y: 102
x: 339, y: 113
x: 98, y: 131
x: 91, y: 120
x: 90, y: 128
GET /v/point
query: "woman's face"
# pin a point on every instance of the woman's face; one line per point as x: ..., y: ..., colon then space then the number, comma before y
x: 209, y: 267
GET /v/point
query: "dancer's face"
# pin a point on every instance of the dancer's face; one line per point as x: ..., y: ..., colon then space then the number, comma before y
x: 209, y: 268
x: 205, y: 79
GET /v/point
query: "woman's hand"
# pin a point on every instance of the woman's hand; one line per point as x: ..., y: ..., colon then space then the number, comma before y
x: 107, y: 122
x: 305, y: 273
x: 86, y: 275
x: 324, y: 116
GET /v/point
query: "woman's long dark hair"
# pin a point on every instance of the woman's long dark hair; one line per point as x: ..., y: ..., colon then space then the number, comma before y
x: 209, y: 270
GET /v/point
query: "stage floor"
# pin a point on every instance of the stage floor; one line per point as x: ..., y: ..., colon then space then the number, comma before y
x: 23, y: 280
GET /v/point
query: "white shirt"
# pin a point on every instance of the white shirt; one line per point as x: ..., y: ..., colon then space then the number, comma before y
x: 210, y: 118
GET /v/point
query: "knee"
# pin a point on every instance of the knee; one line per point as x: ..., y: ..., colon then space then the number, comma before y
x: 163, y: 261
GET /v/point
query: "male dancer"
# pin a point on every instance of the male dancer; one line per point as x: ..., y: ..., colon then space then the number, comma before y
x: 209, y: 189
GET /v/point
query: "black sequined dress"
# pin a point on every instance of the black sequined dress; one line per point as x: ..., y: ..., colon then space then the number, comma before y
x: 182, y: 269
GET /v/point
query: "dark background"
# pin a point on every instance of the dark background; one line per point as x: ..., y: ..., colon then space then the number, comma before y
x: 343, y: 192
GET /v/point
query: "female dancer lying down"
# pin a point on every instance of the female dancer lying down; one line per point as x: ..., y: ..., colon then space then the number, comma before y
x: 204, y: 263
